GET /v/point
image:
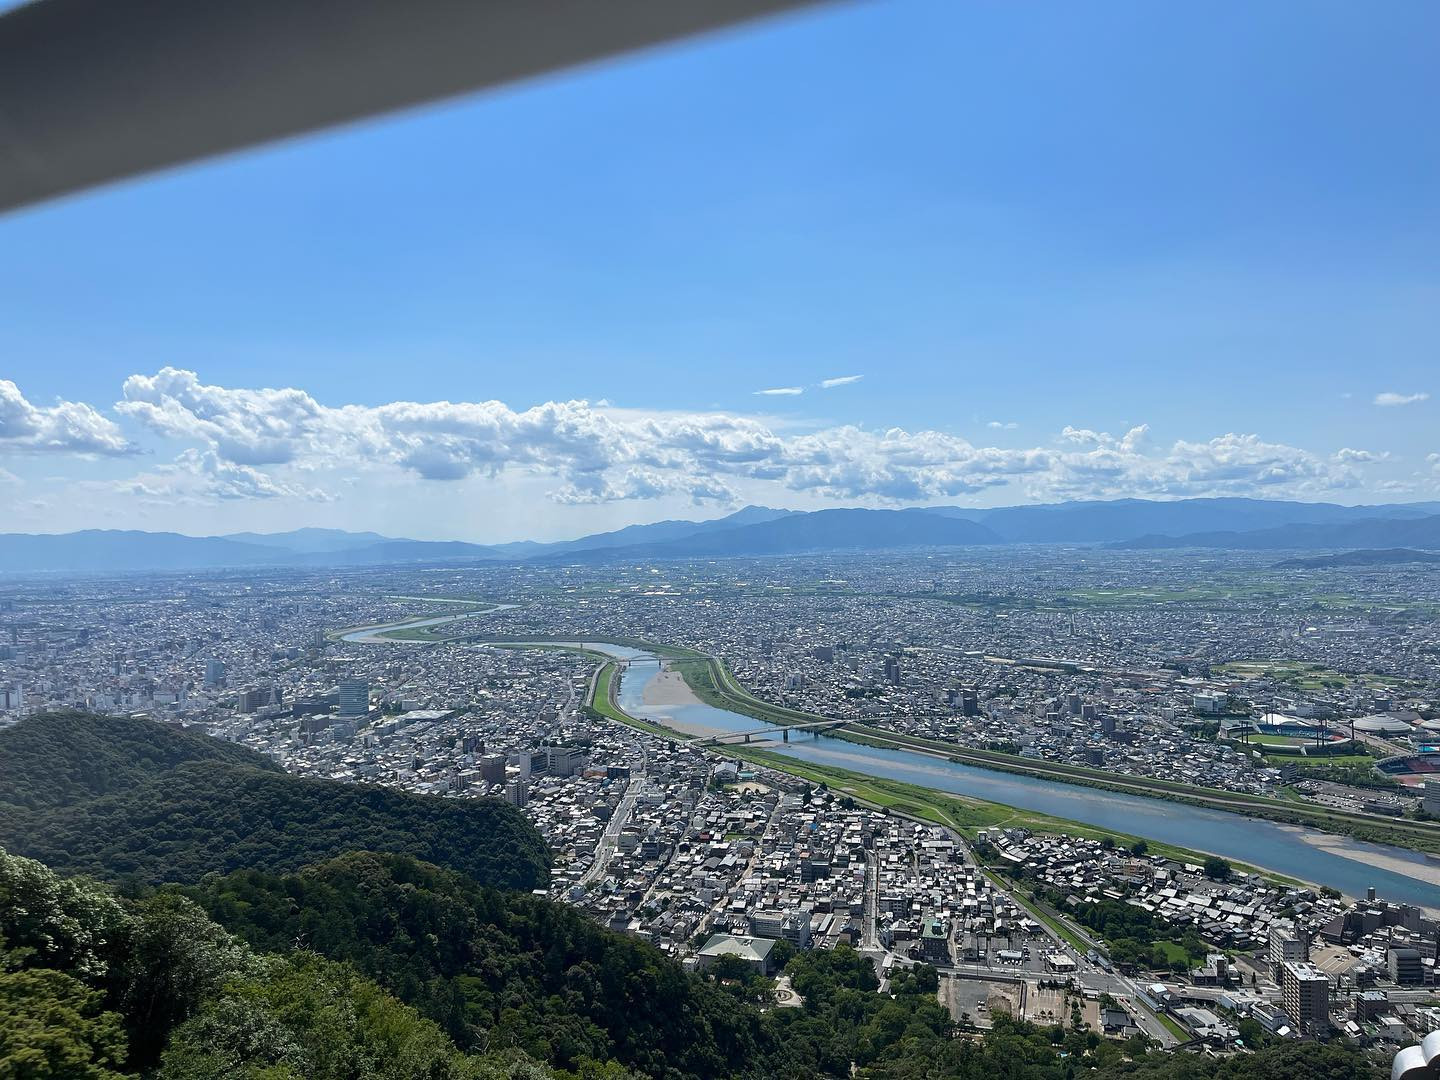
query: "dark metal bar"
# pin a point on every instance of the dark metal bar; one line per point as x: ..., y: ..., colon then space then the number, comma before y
x: 93, y: 91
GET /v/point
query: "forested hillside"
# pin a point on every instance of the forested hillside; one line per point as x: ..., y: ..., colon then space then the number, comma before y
x: 146, y: 802
x: 98, y: 987
x: 93, y: 987
x: 476, y: 960
x: 56, y: 759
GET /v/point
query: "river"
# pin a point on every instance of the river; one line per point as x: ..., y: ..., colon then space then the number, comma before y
x: 1351, y: 866
x: 1348, y: 865
x: 370, y: 635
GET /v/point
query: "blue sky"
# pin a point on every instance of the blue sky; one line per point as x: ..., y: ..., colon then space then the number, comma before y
x: 1031, y: 228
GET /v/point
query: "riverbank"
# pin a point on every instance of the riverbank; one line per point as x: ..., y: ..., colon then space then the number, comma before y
x: 415, y: 628
x: 713, y: 684
x: 1236, y: 837
x: 966, y: 815
x: 1340, y: 845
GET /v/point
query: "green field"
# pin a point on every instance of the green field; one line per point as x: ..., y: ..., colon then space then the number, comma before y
x: 1306, y: 676
x: 1320, y: 761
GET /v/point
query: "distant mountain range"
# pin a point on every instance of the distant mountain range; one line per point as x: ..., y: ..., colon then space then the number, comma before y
x: 1240, y: 524
x: 1374, y: 532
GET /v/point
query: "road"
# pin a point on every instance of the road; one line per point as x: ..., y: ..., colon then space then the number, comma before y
x: 610, y: 838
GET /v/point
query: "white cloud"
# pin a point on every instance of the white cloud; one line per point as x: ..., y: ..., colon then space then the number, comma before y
x: 201, y: 476
x: 1390, y: 398
x: 67, y: 427
x: 781, y: 391
x: 1002, y: 425
x: 841, y: 380
x: 1349, y: 455
x: 273, y: 443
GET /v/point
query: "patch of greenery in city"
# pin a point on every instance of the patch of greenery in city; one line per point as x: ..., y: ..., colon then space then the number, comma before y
x: 1138, y: 939
x: 1302, y: 675
x: 1360, y: 774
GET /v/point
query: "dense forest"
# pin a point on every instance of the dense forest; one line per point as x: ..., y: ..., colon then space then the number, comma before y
x: 149, y: 803
x: 62, y: 758
x: 96, y: 986
x: 247, y: 936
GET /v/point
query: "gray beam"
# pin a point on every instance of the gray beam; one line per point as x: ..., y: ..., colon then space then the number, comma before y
x: 93, y: 91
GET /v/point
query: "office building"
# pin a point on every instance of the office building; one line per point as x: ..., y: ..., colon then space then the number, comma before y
x: 1404, y: 966
x: 214, y: 672
x: 492, y: 768
x: 564, y: 760
x: 354, y: 697
x: 754, y: 951
x: 1306, y: 994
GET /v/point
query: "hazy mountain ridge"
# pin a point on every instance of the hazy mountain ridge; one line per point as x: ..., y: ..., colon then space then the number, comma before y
x: 821, y: 530
x: 1127, y: 519
x: 1364, y: 557
x: 1235, y: 523
x: 1373, y: 533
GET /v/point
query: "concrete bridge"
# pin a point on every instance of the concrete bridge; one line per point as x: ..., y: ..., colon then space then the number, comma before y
x: 816, y: 729
x: 660, y: 660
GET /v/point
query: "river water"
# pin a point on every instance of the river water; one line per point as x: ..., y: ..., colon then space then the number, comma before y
x: 1350, y: 866
x: 369, y: 635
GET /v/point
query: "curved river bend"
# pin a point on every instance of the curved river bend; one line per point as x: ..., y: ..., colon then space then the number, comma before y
x: 1348, y: 865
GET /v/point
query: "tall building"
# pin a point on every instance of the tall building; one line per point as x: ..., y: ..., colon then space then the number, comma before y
x: 214, y: 671
x: 517, y: 793
x: 492, y: 768
x: 1405, y: 966
x: 564, y: 760
x: 1432, y: 796
x: 1286, y: 947
x: 1306, y: 993
x: 354, y: 697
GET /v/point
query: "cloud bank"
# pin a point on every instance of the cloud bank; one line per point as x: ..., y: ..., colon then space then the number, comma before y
x: 275, y: 443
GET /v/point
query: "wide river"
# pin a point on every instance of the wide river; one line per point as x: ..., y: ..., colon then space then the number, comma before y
x: 1348, y: 865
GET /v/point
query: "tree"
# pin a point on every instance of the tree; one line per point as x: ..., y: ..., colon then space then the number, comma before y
x: 1216, y: 868
x: 175, y: 959
x: 313, y: 1019
x: 52, y: 1027
x: 1139, y: 848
